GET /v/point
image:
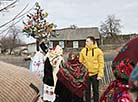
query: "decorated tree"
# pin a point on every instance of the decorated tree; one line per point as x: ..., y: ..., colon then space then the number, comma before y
x: 37, y: 25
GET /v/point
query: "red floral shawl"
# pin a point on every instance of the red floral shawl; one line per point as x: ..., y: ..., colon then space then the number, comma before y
x: 73, y: 75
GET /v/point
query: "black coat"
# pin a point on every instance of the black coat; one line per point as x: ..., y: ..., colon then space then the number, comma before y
x: 48, y: 73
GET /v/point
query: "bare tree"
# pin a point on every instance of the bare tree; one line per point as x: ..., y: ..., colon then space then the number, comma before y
x: 111, y: 26
x: 12, y: 40
x: 73, y: 26
x: 11, y: 5
x: 4, y: 44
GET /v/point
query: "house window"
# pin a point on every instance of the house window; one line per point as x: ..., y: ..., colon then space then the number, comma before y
x: 50, y: 44
x: 61, y: 43
x: 75, y: 44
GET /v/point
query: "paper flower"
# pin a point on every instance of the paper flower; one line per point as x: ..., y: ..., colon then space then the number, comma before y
x: 37, y: 26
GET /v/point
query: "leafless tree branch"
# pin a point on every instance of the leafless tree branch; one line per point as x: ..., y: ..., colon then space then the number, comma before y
x: 8, y: 6
x: 15, y: 16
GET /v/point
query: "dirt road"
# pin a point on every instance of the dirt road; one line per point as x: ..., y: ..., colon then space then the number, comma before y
x: 18, y: 61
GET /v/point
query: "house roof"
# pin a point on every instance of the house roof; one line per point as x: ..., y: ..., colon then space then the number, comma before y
x: 76, y: 33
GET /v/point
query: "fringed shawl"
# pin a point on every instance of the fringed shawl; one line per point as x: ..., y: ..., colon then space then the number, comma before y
x: 73, y: 75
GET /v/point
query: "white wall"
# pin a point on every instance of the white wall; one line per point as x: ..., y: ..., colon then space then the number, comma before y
x: 31, y: 48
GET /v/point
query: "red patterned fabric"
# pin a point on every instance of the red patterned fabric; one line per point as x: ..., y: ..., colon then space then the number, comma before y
x: 126, y: 60
x: 129, y: 50
x: 123, y: 69
x: 123, y: 64
x: 116, y: 92
x: 73, y: 75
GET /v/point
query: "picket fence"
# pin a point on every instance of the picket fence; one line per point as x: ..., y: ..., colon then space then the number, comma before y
x: 108, y: 74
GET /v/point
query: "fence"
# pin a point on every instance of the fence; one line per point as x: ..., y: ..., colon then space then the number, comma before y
x: 108, y: 74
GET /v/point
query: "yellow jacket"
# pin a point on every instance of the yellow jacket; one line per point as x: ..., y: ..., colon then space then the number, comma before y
x: 93, y: 59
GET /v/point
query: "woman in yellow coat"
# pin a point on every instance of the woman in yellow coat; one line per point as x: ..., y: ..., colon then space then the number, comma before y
x: 93, y: 59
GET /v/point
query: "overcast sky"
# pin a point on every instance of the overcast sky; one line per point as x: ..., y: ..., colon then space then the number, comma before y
x: 83, y: 13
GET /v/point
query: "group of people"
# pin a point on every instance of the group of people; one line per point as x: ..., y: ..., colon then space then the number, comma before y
x: 71, y: 81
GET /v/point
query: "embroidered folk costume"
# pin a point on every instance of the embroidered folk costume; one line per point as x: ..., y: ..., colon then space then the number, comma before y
x: 122, y: 66
x: 53, y: 60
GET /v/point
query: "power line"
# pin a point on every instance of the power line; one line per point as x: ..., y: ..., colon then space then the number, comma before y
x: 14, y: 17
x: 11, y: 25
x: 10, y: 5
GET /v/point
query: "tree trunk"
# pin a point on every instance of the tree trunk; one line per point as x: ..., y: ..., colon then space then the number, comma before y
x: 11, y: 51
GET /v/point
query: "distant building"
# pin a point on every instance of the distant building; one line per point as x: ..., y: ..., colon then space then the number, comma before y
x: 22, y: 49
x: 31, y: 47
x: 74, y: 37
x: 70, y: 38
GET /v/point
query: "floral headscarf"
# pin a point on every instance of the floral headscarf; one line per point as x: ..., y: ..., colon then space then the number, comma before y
x: 122, y: 66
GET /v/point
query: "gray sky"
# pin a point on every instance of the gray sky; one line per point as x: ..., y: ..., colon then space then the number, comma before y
x: 83, y: 13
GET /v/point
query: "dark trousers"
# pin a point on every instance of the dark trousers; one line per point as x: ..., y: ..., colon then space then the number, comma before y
x: 92, y: 80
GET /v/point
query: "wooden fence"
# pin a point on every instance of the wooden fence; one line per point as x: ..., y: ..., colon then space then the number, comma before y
x: 108, y: 74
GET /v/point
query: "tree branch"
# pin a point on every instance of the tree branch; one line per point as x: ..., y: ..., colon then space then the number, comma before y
x: 8, y: 6
x: 14, y: 17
